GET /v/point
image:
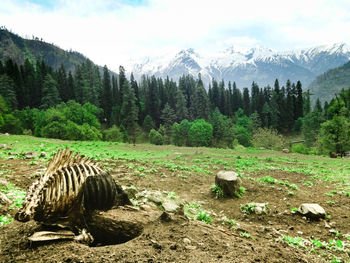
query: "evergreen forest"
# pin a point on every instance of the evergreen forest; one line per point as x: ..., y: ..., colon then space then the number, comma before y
x: 90, y: 105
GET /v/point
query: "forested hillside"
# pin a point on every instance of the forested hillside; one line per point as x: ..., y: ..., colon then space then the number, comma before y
x: 330, y: 83
x: 20, y: 49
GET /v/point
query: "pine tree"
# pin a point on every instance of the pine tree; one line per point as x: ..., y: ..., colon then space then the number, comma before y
x: 180, y: 106
x: 50, y: 96
x: 299, y: 101
x: 246, y: 102
x: 200, y: 103
x: 107, y: 95
x: 7, y: 91
x: 129, y: 111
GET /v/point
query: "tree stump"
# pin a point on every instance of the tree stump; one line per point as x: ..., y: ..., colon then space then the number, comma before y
x: 229, y: 182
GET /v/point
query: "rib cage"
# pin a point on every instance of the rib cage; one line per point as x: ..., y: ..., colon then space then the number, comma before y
x: 59, y: 190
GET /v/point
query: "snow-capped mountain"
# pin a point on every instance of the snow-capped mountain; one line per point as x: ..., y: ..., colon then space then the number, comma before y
x: 245, y: 65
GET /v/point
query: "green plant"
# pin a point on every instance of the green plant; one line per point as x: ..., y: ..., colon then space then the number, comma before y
x: 294, y: 209
x: 172, y: 195
x: 155, y: 137
x: 308, y: 183
x: 330, y: 202
x: 204, y: 217
x: 300, y: 148
x: 5, y: 219
x: 269, y: 139
x: 248, y: 208
x: 245, y: 234
x: 215, y: 189
x: 241, y: 192
x: 294, y: 241
x: 267, y: 179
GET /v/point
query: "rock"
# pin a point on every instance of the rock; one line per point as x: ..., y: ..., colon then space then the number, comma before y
x: 131, y: 191
x: 43, y: 155
x: 313, y: 211
x: 4, y: 200
x: 186, y: 241
x: 255, y: 208
x: 3, y: 146
x: 13, y: 153
x: 170, y: 206
x: 285, y: 150
x: 229, y: 182
x: 30, y: 154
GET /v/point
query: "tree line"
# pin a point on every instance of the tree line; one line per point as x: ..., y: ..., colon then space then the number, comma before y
x: 125, y: 109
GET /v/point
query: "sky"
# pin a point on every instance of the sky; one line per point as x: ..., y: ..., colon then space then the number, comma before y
x: 113, y: 32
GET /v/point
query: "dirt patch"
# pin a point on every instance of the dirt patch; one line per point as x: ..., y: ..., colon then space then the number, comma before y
x: 256, y: 238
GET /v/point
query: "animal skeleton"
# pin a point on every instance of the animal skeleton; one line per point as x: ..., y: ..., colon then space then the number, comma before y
x: 72, y: 186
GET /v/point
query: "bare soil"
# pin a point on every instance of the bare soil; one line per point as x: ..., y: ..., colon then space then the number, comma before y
x: 185, y: 240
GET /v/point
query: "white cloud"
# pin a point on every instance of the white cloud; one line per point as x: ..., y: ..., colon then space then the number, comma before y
x: 112, y: 31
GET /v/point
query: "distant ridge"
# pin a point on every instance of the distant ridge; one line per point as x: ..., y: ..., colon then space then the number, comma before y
x: 330, y: 83
x: 19, y: 49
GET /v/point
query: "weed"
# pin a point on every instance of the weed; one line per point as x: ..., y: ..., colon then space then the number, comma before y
x: 294, y: 209
x: 267, y: 179
x: 241, y: 192
x: 5, y: 219
x: 248, y: 208
x: 217, y: 191
x: 204, y: 217
x: 330, y: 202
x: 294, y: 241
x: 173, y: 195
x: 308, y: 183
x: 245, y: 234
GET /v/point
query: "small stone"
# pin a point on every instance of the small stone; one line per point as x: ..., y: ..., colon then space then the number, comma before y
x: 190, y: 247
x: 313, y: 211
x: 43, y: 155
x: 170, y: 206
x: 300, y: 233
x: 285, y: 150
x: 2, y: 146
x: 186, y: 241
x: 4, y: 200
x: 326, y: 225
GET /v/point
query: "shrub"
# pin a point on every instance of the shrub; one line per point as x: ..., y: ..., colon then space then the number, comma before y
x: 200, y: 133
x: 242, y: 134
x: 54, y: 129
x: 268, y: 139
x: 300, y: 148
x: 90, y: 133
x: 113, y: 134
x: 11, y: 125
x: 155, y: 137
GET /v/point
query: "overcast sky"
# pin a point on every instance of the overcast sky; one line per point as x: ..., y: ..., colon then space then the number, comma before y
x: 113, y: 31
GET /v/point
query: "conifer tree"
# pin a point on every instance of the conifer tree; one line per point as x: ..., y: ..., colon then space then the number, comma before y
x: 107, y: 95
x: 50, y: 96
x: 129, y: 111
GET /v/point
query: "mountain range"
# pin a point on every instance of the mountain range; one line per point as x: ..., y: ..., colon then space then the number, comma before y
x: 245, y: 65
